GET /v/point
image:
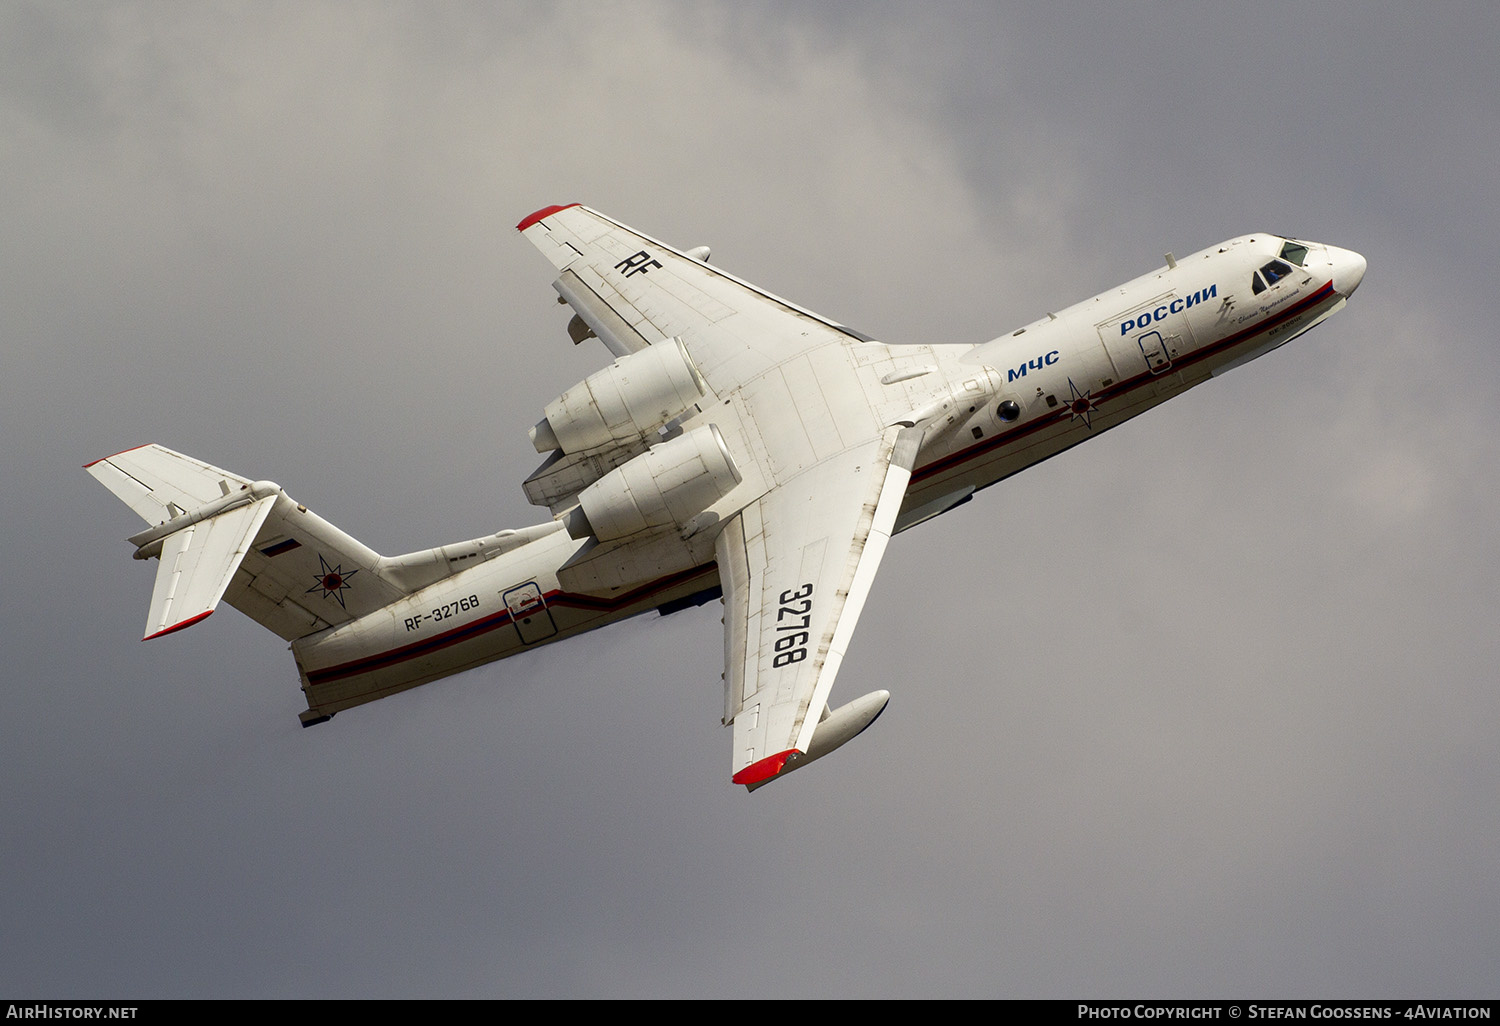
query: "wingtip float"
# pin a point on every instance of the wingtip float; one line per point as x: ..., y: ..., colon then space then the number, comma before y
x: 836, y: 729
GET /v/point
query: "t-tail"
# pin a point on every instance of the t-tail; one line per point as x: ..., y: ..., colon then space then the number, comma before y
x: 220, y: 536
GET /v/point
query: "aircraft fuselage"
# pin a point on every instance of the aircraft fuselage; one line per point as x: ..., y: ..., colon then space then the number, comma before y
x: 990, y: 411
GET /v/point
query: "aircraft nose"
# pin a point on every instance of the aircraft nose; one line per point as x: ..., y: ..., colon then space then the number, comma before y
x: 1348, y: 270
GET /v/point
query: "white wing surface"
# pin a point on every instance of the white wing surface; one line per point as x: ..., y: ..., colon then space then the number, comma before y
x: 633, y: 290
x: 796, y: 567
x: 797, y: 559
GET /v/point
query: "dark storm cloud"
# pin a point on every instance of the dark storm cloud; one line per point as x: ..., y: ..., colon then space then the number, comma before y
x: 1200, y: 707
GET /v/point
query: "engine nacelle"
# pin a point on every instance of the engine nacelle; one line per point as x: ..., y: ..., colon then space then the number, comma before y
x: 635, y: 395
x: 669, y: 485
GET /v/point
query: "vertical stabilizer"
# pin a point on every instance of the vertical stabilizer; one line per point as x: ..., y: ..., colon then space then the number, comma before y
x: 224, y: 537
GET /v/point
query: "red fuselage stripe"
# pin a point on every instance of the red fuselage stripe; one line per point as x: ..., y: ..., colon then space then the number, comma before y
x: 476, y: 628
x: 1123, y: 387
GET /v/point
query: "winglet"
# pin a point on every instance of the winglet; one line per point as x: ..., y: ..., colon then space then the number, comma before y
x: 531, y: 219
x: 765, y: 769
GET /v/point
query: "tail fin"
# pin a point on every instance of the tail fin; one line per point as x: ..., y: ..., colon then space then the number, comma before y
x: 222, y: 536
x: 205, y: 520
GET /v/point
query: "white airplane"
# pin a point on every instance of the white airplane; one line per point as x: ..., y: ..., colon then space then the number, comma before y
x: 739, y: 446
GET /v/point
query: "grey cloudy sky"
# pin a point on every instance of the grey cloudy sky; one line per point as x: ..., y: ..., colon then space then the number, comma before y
x: 1205, y: 707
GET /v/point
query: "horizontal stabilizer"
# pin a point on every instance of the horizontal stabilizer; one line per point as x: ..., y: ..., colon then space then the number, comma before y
x: 197, y: 564
x: 223, y: 537
x: 159, y: 484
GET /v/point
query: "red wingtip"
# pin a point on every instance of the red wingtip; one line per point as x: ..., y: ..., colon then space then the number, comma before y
x: 112, y: 455
x: 765, y: 769
x: 178, y: 626
x: 531, y: 219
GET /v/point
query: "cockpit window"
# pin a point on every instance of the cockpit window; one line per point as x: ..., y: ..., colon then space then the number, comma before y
x: 1275, y: 271
x: 1269, y: 275
x: 1295, y: 252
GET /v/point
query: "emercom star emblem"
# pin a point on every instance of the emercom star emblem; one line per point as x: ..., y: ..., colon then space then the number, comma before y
x: 1081, y: 406
x: 332, y: 581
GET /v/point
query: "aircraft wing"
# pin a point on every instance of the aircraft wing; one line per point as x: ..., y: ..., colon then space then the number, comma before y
x: 796, y: 558
x: 796, y: 567
x: 633, y: 290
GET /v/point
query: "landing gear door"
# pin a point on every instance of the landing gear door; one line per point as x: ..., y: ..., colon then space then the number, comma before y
x: 529, y: 612
x: 1149, y: 338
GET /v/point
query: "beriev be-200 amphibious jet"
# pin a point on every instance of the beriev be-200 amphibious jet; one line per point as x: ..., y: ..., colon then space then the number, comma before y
x: 739, y: 446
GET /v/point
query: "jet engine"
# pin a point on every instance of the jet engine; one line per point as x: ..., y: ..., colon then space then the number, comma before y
x: 635, y: 395
x: 666, y: 486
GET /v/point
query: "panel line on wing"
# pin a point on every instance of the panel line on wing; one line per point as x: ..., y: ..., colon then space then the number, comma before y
x: 618, y: 335
x: 756, y: 289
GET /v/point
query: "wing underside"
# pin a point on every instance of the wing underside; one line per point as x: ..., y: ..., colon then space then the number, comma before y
x: 796, y: 567
x: 798, y: 558
x: 632, y: 290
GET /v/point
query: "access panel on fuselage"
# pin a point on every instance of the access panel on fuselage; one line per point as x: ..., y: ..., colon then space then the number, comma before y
x: 1149, y: 337
x: 529, y: 612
